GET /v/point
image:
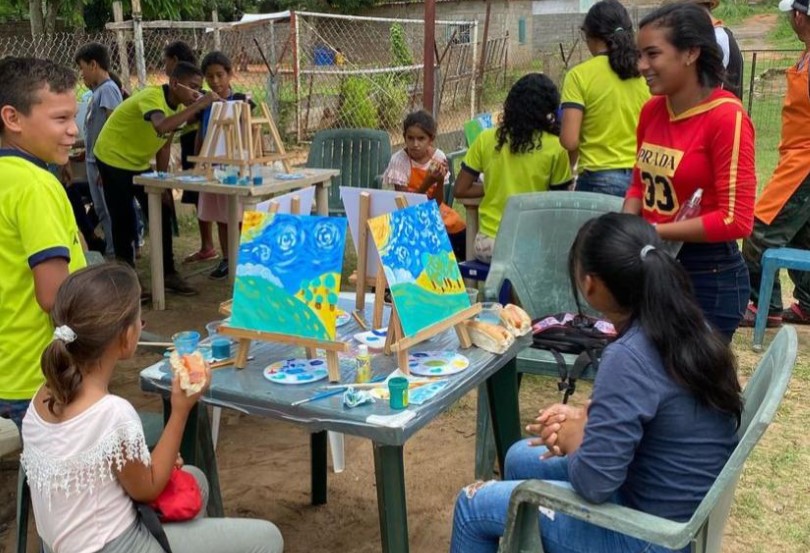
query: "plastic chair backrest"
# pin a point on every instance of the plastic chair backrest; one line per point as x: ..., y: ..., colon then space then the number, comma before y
x: 531, y: 248
x: 360, y: 154
x: 762, y: 396
x: 454, y: 160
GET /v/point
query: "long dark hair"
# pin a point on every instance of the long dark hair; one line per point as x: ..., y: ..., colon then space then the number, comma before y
x: 689, y: 26
x: 657, y: 292
x: 608, y: 21
x: 530, y: 109
x: 97, y: 304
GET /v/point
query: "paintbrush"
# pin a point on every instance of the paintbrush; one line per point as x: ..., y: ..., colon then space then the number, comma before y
x: 319, y: 395
x: 226, y: 362
x: 168, y: 345
x: 197, y: 92
x: 379, y: 384
x: 360, y: 322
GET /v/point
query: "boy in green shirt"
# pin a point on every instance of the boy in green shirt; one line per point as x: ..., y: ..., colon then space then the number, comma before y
x: 39, y: 240
x: 138, y: 130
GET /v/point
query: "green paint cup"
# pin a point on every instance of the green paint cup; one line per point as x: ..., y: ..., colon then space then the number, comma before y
x: 398, y: 392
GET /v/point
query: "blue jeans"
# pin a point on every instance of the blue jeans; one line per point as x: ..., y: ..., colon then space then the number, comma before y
x: 610, y: 181
x: 14, y: 409
x: 480, y: 515
x: 720, y: 280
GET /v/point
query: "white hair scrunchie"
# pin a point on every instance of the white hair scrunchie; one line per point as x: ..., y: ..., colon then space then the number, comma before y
x: 64, y: 333
x: 645, y: 250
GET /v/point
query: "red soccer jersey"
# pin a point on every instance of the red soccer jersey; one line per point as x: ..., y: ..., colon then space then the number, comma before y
x: 710, y: 146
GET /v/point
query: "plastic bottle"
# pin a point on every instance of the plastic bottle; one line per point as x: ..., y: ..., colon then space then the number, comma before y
x: 363, y: 364
x: 689, y: 210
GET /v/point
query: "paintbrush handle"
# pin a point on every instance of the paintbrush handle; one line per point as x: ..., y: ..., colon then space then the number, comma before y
x: 319, y: 395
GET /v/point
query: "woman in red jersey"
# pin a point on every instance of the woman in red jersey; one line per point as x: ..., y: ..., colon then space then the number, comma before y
x: 694, y: 135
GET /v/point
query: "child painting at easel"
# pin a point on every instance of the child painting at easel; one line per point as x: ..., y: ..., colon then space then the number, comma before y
x: 218, y: 70
x: 421, y: 167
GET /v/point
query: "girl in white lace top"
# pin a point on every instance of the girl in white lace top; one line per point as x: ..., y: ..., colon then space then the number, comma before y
x: 84, y: 449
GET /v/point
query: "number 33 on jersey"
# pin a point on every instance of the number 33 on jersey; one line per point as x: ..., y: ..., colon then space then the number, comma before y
x: 657, y: 166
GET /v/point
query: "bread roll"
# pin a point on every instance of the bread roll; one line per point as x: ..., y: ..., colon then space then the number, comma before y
x: 516, y: 320
x: 489, y: 337
x: 192, y: 370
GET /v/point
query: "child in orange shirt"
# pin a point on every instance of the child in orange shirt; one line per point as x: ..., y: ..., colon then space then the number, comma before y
x: 421, y: 167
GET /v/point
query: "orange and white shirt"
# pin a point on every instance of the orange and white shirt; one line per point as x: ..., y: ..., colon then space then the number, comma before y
x: 710, y: 146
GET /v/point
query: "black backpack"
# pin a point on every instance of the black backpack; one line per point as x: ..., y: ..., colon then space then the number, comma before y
x: 577, y: 334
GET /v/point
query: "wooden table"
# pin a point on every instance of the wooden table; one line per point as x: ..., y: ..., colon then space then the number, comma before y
x: 471, y: 205
x: 244, y: 196
x: 247, y: 391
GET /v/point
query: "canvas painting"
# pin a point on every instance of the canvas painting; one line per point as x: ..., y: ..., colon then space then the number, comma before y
x: 288, y: 274
x: 420, y: 266
x: 382, y: 202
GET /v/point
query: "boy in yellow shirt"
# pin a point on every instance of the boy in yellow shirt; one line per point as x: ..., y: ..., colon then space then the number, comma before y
x: 139, y: 129
x: 39, y: 239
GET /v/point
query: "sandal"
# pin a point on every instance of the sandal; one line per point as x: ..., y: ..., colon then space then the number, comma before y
x: 750, y: 317
x: 796, y: 315
x: 202, y: 255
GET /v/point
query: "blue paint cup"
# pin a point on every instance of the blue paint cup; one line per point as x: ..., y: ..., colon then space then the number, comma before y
x: 221, y: 348
x: 258, y: 180
x: 186, y: 342
x: 398, y: 392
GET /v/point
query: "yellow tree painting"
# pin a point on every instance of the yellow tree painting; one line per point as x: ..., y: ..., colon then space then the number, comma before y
x: 420, y: 266
x: 288, y: 274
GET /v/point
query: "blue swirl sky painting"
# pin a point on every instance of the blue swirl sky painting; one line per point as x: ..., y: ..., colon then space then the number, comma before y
x: 288, y: 274
x: 419, y: 264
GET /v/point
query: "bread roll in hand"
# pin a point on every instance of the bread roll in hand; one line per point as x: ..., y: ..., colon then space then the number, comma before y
x: 192, y: 369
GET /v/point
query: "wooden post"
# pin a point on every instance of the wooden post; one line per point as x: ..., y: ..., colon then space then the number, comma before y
x: 137, y: 33
x: 121, y: 39
x: 217, y: 37
x: 429, y: 78
x: 483, y: 62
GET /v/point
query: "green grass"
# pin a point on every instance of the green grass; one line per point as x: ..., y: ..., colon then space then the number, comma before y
x: 782, y: 36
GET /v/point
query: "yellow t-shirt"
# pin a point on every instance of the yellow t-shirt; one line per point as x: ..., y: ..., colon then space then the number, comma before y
x: 611, y: 106
x: 129, y: 140
x: 506, y: 174
x: 36, y: 224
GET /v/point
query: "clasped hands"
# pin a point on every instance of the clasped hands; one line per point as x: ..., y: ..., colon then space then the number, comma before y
x: 560, y: 428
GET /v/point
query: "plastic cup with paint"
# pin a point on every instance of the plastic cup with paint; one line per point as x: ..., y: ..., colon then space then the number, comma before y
x: 490, y: 312
x: 213, y: 328
x: 398, y: 392
x: 221, y: 348
x: 472, y: 293
x: 186, y: 342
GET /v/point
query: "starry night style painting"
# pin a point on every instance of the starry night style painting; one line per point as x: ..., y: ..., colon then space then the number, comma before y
x: 418, y: 261
x: 288, y: 274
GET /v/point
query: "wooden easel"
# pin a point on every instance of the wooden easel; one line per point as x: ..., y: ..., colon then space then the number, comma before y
x: 310, y: 345
x: 395, y: 340
x: 245, y: 138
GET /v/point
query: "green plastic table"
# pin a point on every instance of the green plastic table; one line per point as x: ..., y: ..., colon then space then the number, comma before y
x: 247, y: 391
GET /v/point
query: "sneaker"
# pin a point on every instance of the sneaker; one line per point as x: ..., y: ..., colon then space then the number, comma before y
x: 796, y: 315
x: 202, y: 255
x: 221, y: 272
x: 177, y: 284
x: 750, y: 317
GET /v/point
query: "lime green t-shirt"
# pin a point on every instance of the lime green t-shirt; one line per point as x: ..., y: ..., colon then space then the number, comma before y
x: 36, y: 224
x: 129, y: 140
x: 506, y: 174
x: 611, y: 106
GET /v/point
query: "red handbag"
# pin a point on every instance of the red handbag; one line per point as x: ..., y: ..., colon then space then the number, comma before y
x: 181, y: 498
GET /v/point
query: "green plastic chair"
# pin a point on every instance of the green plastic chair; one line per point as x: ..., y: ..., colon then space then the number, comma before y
x: 704, y: 531
x: 531, y: 252
x: 362, y: 156
x: 454, y: 160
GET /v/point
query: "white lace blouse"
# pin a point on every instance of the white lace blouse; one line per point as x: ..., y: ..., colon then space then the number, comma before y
x: 78, y: 503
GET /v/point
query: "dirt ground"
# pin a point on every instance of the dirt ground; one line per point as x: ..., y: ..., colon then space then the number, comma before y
x: 264, y: 464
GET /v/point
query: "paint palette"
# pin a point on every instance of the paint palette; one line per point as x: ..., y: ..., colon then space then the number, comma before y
x: 342, y: 318
x: 372, y: 338
x: 437, y: 363
x: 296, y: 371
